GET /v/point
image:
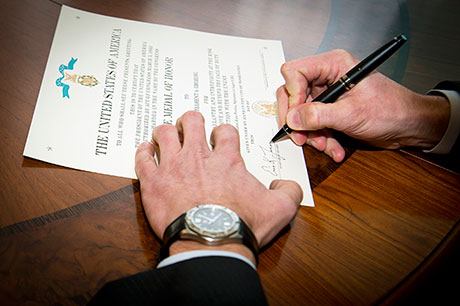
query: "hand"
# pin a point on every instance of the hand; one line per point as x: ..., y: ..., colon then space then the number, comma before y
x: 377, y: 111
x: 189, y: 174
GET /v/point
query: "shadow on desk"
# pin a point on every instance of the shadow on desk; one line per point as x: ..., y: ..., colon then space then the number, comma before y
x: 67, y: 255
x: 435, y: 280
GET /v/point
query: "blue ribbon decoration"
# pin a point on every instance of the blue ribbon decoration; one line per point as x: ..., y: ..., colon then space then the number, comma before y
x: 65, y: 87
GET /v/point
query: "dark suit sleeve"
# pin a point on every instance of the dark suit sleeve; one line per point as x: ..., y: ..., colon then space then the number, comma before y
x: 455, y: 86
x: 210, y: 280
x: 449, y: 85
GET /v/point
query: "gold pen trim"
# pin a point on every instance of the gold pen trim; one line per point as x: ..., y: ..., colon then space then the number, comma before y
x: 346, y: 82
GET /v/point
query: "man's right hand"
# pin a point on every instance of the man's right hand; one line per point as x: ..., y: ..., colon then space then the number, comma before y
x: 378, y: 111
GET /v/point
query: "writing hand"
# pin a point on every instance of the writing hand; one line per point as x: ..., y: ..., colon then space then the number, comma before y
x: 378, y: 111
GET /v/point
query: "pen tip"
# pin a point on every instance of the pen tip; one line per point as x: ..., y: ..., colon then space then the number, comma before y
x: 284, y: 131
x: 278, y: 136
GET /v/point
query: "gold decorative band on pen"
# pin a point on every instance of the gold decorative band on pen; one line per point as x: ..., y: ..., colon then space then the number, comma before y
x: 349, y: 80
x: 346, y: 82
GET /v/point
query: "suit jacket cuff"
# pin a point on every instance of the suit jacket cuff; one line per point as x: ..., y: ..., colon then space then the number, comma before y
x: 453, y: 129
x: 201, y: 253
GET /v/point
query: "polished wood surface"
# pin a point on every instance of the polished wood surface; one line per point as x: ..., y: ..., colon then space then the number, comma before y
x: 378, y: 216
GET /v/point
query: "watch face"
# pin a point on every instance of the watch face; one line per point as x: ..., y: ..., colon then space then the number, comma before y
x: 212, y: 220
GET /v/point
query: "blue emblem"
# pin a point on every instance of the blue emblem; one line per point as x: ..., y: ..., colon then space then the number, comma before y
x: 65, y: 87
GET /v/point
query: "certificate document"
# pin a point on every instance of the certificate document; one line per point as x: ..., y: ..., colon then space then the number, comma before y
x: 109, y: 82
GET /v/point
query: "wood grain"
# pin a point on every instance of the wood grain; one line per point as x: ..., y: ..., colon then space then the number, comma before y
x: 254, y: 19
x: 30, y: 188
x: 63, y: 258
x: 363, y: 237
x: 376, y: 218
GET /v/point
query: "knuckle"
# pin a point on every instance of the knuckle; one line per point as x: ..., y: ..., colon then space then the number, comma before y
x: 227, y: 129
x: 198, y: 155
x: 233, y: 158
x: 226, y: 133
x: 312, y: 117
x: 290, y: 203
x: 285, y: 67
x: 280, y: 90
x: 346, y: 56
x: 341, y: 52
x: 163, y: 129
x: 142, y: 170
x: 193, y: 115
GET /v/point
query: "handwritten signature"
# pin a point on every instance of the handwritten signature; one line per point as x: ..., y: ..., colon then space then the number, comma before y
x: 270, y: 160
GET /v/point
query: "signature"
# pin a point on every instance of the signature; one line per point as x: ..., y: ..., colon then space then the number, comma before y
x: 271, y: 160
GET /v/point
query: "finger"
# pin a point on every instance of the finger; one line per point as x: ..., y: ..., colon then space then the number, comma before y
x: 308, y: 74
x: 191, y: 126
x: 323, y: 140
x: 225, y: 138
x: 316, y: 116
x: 334, y: 149
x: 307, y: 77
x: 283, y: 201
x: 299, y: 138
x: 145, y: 162
x: 166, y: 142
x: 282, y: 96
x: 317, y: 139
x: 290, y: 188
x: 296, y: 84
x: 325, y: 68
x: 282, y: 99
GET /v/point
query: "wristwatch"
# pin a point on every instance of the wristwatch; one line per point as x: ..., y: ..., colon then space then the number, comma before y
x: 209, y: 224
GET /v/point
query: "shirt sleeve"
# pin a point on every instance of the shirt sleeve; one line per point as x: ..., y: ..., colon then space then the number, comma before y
x: 202, y: 253
x: 453, y: 129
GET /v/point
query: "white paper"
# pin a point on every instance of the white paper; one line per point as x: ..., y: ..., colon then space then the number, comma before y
x: 109, y: 81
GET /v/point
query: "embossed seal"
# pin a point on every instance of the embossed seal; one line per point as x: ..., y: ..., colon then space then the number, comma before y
x: 265, y: 108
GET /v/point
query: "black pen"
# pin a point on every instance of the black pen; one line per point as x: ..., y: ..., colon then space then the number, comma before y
x: 352, y: 77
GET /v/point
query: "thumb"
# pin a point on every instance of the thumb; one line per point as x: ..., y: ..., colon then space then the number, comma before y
x: 290, y: 188
x: 313, y: 116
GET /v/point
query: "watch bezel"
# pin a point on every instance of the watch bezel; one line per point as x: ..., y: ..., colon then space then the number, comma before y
x: 224, y: 233
x: 181, y: 229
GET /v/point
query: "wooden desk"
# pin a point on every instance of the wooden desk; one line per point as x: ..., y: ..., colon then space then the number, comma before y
x: 378, y: 216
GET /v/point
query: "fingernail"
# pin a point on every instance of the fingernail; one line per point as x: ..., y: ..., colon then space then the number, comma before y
x: 143, y: 145
x: 293, y: 119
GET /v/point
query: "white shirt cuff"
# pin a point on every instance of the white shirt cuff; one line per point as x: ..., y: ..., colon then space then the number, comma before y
x: 453, y: 129
x: 202, y: 253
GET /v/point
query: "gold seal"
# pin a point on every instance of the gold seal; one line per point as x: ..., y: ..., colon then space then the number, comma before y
x: 85, y: 80
x: 265, y: 108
